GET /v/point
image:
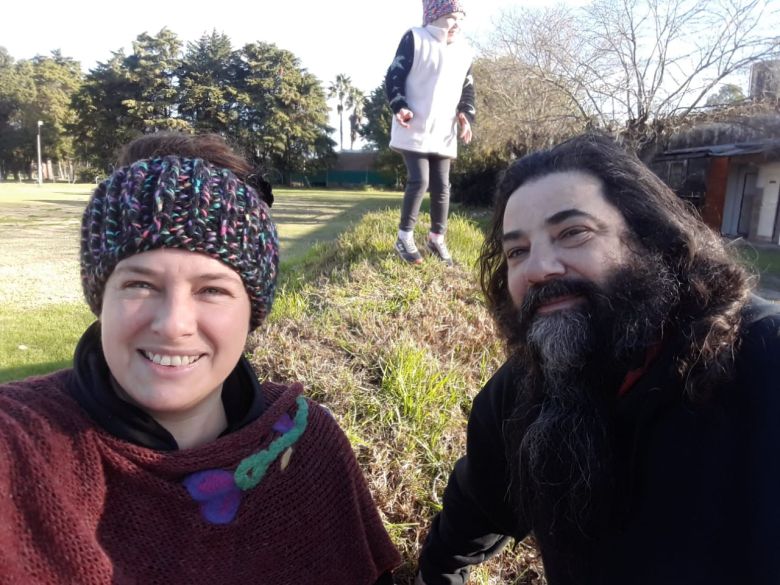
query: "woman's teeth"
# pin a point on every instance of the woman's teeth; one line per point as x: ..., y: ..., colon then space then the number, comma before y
x: 171, y: 360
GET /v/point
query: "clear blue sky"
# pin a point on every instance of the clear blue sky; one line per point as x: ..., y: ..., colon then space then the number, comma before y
x: 356, y: 37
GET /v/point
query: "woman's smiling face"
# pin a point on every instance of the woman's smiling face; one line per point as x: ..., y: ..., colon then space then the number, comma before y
x: 174, y: 324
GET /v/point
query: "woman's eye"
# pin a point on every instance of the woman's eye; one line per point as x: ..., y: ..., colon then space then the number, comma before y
x: 213, y: 290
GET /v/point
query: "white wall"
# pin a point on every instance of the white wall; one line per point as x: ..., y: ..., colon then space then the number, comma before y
x: 769, y: 181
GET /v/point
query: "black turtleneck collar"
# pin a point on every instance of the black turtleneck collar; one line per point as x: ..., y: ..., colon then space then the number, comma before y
x: 242, y: 398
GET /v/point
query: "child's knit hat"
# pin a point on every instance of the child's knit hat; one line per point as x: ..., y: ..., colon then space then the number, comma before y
x: 186, y: 203
x: 433, y: 9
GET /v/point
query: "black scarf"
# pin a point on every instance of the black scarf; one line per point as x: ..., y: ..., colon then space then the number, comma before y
x: 242, y: 398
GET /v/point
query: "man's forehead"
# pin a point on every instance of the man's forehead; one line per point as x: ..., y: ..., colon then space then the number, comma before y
x: 555, y: 198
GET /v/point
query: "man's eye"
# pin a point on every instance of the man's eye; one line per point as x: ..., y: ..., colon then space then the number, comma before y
x: 574, y: 233
x: 137, y: 284
x: 514, y: 253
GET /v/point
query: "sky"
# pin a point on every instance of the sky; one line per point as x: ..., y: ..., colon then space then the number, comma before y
x: 355, y: 37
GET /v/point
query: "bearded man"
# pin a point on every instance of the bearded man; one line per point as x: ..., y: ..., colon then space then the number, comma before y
x: 634, y: 429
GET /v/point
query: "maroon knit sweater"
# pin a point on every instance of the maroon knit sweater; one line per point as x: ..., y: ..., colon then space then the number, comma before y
x: 78, y: 505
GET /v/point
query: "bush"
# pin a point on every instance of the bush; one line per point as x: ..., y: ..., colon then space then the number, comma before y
x: 475, y: 178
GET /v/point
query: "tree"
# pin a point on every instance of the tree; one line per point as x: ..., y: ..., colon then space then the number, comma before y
x: 282, y: 111
x: 376, y: 132
x: 516, y: 112
x: 207, y: 84
x: 356, y: 102
x: 341, y: 89
x: 729, y: 93
x: 127, y: 96
x: 152, y: 69
x: 258, y: 97
x: 31, y: 90
x: 103, y: 122
x: 57, y: 79
x: 633, y: 66
x: 17, y: 91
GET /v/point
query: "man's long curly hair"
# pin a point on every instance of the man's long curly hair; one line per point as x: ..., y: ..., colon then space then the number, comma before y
x: 713, y: 285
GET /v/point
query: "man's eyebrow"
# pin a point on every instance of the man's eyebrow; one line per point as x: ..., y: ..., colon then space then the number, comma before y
x: 555, y: 219
x: 565, y: 214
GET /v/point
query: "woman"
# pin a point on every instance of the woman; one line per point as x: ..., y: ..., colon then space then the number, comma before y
x: 431, y: 92
x: 160, y: 457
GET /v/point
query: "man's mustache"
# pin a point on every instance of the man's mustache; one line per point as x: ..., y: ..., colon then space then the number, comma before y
x: 540, y: 294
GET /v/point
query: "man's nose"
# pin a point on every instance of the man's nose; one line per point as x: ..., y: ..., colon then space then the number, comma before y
x: 176, y: 315
x: 543, y: 264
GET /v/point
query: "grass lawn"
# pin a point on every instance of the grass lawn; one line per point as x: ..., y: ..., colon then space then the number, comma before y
x: 41, y: 311
x: 765, y: 259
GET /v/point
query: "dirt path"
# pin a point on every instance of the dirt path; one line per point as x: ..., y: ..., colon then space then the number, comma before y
x: 40, y: 245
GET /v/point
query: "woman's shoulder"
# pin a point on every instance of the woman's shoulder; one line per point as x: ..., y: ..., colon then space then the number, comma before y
x: 39, y: 424
x: 39, y: 398
x: 283, y: 397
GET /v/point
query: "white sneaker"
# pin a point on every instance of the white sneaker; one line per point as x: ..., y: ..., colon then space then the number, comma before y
x: 408, y: 251
x: 439, y: 249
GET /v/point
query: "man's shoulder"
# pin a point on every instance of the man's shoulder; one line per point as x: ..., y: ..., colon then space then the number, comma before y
x: 758, y: 353
x: 758, y: 310
x: 761, y: 327
x: 498, y: 393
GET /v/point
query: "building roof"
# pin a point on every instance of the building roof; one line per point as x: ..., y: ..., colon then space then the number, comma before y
x: 767, y: 147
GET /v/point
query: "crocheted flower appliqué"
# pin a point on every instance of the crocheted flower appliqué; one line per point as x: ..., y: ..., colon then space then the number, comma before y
x: 219, y: 491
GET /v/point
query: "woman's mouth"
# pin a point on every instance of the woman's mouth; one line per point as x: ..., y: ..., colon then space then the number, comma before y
x: 171, y: 360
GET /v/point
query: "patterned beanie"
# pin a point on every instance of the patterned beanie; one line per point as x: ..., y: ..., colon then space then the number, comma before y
x: 433, y: 9
x: 186, y: 203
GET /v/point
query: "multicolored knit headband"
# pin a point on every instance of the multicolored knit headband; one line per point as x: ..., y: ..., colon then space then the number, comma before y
x: 174, y: 202
x: 433, y: 9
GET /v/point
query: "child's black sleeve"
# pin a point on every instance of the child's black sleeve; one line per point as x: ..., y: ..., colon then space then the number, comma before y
x: 395, y: 79
x: 468, y: 98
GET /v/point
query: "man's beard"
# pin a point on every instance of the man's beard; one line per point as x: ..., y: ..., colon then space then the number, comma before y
x: 571, y: 363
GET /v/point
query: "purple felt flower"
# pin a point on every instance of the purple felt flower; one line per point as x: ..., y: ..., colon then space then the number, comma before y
x: 284, y: 424
x: 217, y: 493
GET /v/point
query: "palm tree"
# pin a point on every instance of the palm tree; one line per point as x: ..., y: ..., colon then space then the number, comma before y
x: 356, y: 102
x: 341, y: 89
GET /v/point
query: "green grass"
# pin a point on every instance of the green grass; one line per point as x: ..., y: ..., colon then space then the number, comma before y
x: 35, y: 341
x: 766, y: 260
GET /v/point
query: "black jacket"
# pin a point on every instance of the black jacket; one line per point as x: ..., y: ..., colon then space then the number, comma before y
x: 700, y: 497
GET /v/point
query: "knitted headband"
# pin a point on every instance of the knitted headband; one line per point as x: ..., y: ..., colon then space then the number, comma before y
x: 433, y: 9
x: 185, y: 203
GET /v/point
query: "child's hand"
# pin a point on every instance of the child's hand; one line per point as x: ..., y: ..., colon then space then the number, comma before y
x: 403, y: 116
x: 465, y: 128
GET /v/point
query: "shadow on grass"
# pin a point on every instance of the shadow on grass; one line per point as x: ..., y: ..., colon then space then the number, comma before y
x: 329, y: 227
x: 27, y: 370
x: 80, y: 203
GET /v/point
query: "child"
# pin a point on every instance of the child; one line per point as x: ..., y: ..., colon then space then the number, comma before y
x: 431, y: 91
x: 160, y: 457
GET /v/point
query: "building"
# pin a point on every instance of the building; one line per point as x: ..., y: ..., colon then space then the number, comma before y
x: 729, y: 167
x: 353, y: 168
